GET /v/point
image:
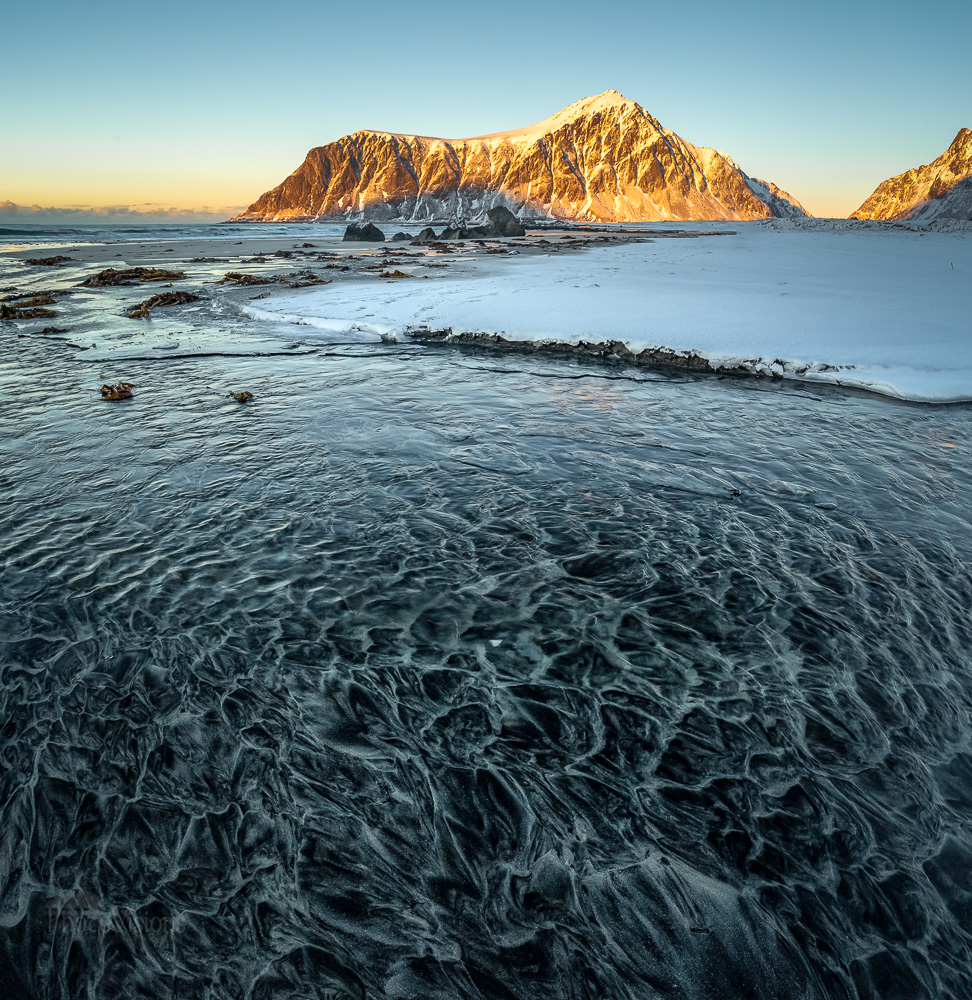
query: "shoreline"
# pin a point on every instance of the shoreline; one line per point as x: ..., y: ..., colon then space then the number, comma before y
x: 660, y: 301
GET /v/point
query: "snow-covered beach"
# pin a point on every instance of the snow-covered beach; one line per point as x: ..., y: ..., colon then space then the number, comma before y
x: 884, y: 308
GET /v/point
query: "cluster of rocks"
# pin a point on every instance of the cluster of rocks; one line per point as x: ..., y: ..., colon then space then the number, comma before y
x: 499, y: 222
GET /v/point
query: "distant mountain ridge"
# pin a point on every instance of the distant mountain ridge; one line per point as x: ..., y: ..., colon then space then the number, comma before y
x: 941, y: 189
x: 602, y: 159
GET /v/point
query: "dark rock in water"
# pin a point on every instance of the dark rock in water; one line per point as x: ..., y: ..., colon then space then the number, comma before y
x: 462, y: 233
x: 426, y: 236
x: 363, y: 232
x: 399, y: 237
x: 502, y: 222
x: 243, y: 397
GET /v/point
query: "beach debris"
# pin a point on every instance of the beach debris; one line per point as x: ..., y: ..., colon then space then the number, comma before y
x: 262, y: 295
x: 363, y: 232
x: 312, y: 245
x: 336, y: 267
x: 52, y: 329
x: 120, y: 390
x: 143, y: 309
x: 31, y: 308
x: 128, y: 275
x: 242, y: 397
x: 305, y: 280
x: 245, y: 279
x: 27, y: 299
x: 47, y: 261
x: 394, y: 274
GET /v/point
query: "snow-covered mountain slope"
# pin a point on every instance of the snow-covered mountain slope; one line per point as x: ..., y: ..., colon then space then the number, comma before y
x: 601, y: 159
x: 941, y: 189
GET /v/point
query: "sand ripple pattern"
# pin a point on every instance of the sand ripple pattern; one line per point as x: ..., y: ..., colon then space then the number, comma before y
x: 419, y: 679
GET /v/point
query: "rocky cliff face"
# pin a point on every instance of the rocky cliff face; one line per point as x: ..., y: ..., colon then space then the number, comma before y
x: 601, y: 159
x: 940, y: 190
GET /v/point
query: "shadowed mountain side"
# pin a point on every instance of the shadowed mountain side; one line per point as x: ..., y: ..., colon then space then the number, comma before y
x: 941, y: 189
x: 601, y: 159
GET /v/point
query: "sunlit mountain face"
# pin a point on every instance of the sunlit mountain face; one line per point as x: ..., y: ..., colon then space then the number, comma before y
x: 601, y: 159
x: 941, y: 189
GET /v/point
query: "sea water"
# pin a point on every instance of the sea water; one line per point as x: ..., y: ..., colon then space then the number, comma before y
x: 432, y: 673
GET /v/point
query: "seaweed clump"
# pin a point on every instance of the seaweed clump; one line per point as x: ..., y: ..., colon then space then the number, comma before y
x: 48, y: 261
x: 244, y: 279
x: 128, y: 275
x: 32, y: 308
x: 120, y: 390
x: 144, y: 309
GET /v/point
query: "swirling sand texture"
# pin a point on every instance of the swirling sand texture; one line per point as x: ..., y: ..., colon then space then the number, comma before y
x: 415, y: 679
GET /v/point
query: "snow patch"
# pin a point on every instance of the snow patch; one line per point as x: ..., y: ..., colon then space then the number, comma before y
x: 885, y: 309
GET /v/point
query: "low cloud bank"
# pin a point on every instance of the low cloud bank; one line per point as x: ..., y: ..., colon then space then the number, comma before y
x: 135, y: 214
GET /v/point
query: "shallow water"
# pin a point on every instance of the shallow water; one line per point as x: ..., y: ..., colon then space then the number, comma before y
x: 434, y: 674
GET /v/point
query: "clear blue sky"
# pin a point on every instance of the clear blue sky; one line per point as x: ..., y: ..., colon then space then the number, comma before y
x: 210, y: 103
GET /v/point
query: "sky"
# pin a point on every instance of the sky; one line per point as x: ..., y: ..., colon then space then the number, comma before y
x: 194, y: 109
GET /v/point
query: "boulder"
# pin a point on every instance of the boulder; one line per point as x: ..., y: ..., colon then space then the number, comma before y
x: 399, y: 237
x: 502, y: 222
x: 363, y: 232
x: 426, y: 236
x: 449, y: 233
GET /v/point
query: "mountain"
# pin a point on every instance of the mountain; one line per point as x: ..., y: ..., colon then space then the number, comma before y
x: 940, y: 190
x: 601, y: 159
